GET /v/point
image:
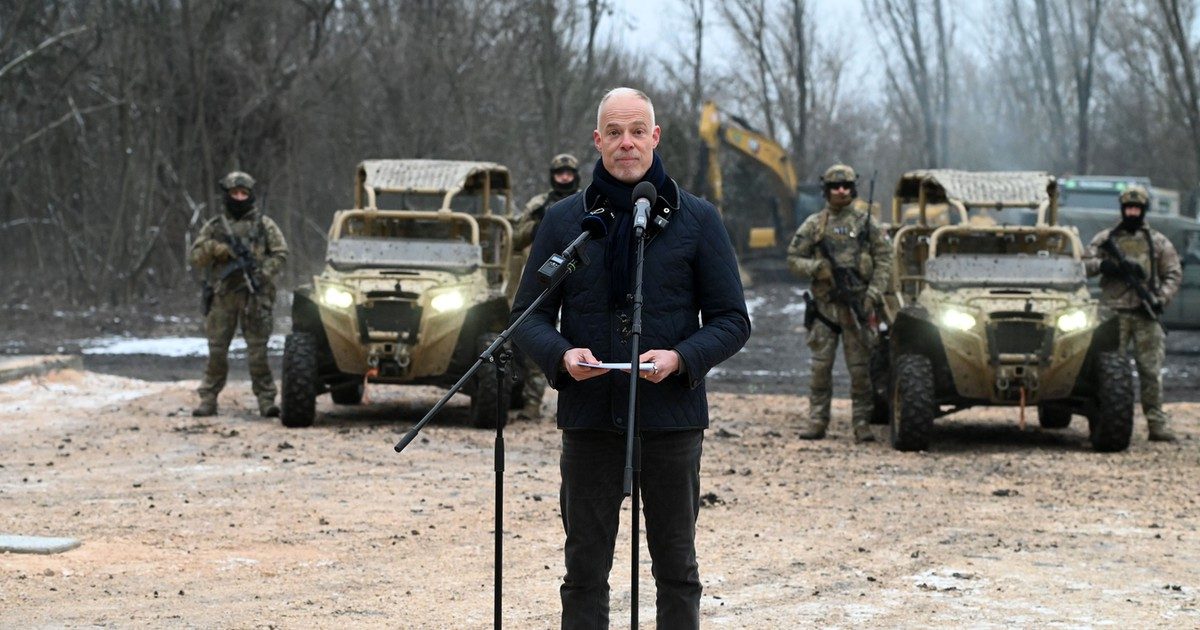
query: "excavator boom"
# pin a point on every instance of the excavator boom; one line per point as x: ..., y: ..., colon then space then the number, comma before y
x: 741, y: 137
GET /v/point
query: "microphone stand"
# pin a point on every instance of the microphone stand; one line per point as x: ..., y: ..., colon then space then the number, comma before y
x: 633, y: 449
x: 494, y: 354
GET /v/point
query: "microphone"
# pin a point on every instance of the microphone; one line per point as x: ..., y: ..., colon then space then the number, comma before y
x: 644, y: 196
x: 594, y: 227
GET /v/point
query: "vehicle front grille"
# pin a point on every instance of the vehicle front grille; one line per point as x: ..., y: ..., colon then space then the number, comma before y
x: 1017, y: 337
x: 389, y: 319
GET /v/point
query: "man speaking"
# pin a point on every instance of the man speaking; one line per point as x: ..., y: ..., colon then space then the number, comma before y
x: 694, y: 316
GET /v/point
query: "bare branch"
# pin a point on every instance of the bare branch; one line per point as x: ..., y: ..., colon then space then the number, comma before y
x: 73, y: 114
x: 50, y: 41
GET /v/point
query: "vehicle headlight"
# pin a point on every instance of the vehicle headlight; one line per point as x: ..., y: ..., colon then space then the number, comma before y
x: 445, y: 302
x: 337, y: 296
x: 1073, y: 321
x: 957, y: 320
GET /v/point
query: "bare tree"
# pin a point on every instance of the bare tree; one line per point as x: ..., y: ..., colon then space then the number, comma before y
x: 1058, y: 47
x: 747, y: 19
x: 926, y: 106
x: 797, y: 103
x: 1083, y: 48
x: 685, y: 75
x: 1179, y: 58
x: 119, y: 116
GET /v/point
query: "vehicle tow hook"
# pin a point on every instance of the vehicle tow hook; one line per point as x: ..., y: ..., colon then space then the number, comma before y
x: 1022, y: 420
x: 371, y: 373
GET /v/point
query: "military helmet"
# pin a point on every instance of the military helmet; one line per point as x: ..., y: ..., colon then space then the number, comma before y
x: 564, y: 161
x: 1135, y: 196
x: 839, y: 173
x: 237, y: 179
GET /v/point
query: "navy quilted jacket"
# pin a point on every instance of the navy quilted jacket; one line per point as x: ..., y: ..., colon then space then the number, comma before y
x: 692, y: 303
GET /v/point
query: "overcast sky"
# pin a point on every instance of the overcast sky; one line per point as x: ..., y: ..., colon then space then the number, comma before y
x: 656, y: 27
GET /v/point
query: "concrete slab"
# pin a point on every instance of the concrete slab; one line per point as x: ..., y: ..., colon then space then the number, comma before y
x: 36, y: 544
x: 21, y: 365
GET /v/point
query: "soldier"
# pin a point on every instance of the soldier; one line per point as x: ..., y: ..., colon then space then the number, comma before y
x: 240, y: 252
x: 1150, y: 259
x: 859, y: 248
x: 564, y: 182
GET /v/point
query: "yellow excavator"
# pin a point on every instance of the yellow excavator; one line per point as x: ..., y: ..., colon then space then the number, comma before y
x: 759, y: 237
x: 738, y: 135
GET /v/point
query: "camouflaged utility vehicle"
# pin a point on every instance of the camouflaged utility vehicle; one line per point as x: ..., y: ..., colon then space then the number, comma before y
x: 984, y: 312
x: 413, y: 289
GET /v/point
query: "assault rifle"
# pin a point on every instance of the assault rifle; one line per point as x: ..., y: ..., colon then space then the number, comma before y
x: 848, y: 287
x: 243, y: 258
x: 1145, y: 298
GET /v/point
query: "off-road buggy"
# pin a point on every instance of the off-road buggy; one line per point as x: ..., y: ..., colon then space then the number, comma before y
x: 410, y: 293
x: 983, y: 312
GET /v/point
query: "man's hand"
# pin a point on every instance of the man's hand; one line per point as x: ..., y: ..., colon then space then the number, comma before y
x: 1110, y: 267
x: 871, y: 301
x: 1157, y: 305
x: 824, y: 271
x: 219, y: 251
x: 666, y: 363
x: 573, y: 357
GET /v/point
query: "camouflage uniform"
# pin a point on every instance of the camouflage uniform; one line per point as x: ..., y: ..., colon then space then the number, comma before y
x: 841, y: 227
x: 1159, y: 262
x: 536, y: 208
x: 232, y: 301
x: 527, y: 224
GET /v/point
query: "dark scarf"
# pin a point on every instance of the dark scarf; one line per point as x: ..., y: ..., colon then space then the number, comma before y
x: 564, y: 190
x: 618, y: 258
x: 238, y: 209
x: 1133, y: 224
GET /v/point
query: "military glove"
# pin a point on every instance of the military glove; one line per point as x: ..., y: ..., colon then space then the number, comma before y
x: 1134, y: 269
x: 1110, y: 267
x: 219, y: 251
x: 1157, y: 306
x: 871, y: 301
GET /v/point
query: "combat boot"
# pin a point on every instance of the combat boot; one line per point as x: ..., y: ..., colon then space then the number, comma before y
x: 814, y: 430
x: 1160, y: 433
x: 207, y: 407
x: 862, y: 433
x: 268, y: 410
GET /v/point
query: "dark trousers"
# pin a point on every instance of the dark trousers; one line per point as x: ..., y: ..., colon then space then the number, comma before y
x: 593, y: 467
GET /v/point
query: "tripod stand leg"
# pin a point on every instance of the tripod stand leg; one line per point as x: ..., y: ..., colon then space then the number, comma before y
x: 635, y: 509
x: 501, y: 359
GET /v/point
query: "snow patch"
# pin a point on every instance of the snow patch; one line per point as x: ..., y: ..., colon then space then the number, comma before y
x: 753, y: 304
x: 168, y: 346
x: 946, y: 579
x: 96, y: 390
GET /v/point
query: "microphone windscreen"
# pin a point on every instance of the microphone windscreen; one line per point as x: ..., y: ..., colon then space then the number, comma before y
x: 645, y: 190
x: 595, y: 226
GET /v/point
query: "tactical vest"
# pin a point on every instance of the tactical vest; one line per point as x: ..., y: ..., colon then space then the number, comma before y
x: 847, y: 239
x: 1139, y: 248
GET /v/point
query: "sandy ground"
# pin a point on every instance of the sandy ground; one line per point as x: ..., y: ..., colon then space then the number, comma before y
x: 235, y: 521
